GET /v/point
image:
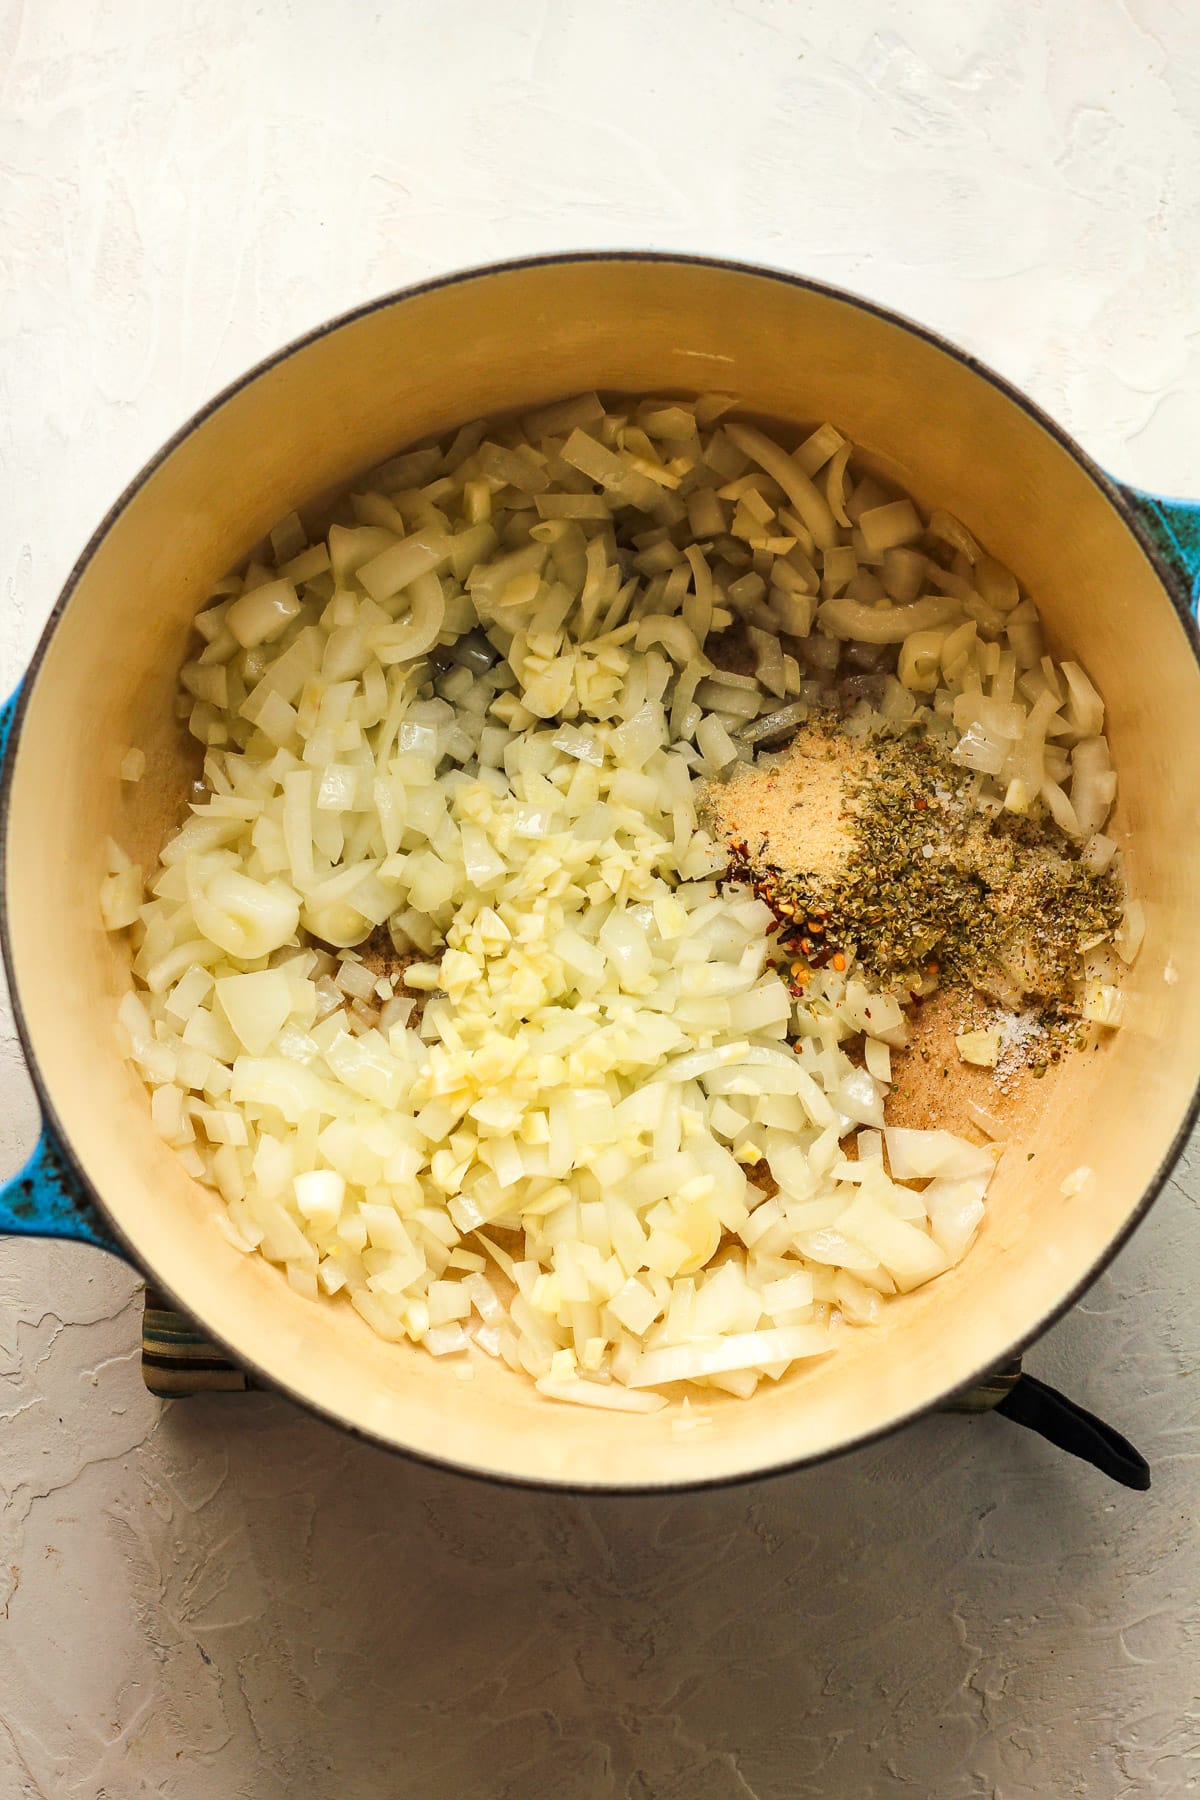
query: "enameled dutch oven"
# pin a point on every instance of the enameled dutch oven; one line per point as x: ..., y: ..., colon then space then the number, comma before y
x: 1114, y: 572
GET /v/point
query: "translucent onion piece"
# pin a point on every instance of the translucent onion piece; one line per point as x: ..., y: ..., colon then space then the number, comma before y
x: 799, y: 487
x: 851, y: 619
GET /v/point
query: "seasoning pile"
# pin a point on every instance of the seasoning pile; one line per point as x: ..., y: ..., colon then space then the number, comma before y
x: 882, y: 852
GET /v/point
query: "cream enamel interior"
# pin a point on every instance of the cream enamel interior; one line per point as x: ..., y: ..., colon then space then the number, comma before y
x: 489, y: 343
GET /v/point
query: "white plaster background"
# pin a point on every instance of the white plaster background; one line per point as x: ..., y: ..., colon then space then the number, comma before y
x: 227, y: 1600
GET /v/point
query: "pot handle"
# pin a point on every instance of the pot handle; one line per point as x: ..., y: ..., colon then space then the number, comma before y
x: 1027, y: 1401
x: 1072, y: 1428
x: 1173, y: 527
x: 46, y: 1198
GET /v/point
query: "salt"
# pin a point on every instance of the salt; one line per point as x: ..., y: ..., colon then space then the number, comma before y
x: 1020, y: 1034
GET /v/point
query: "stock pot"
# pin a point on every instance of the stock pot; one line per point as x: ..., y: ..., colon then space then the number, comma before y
x: 1115, y: 573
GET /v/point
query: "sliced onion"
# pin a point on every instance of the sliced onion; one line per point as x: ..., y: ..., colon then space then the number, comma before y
x: 799, y: 487
x: 885, y: 625
x: 748, y: 1350
x: 421, y: 630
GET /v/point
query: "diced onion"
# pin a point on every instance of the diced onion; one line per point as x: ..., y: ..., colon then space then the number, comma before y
x: 399, y: 566
x: 799, y: 487
x: 888, y: 527
x: 440, y: 971
x: 263, y: 614
x: 913, y: 1155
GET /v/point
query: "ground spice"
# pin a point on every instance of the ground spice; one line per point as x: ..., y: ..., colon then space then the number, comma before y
x: 907, y: 872
x: 793, y: 807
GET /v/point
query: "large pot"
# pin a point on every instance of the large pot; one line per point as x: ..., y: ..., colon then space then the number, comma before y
x: 1110, y: 570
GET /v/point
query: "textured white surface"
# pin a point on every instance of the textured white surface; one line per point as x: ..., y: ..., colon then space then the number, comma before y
x: 227, y: 1599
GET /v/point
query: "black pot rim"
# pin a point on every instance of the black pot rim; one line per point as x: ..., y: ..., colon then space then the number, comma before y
x: 1177, y: 594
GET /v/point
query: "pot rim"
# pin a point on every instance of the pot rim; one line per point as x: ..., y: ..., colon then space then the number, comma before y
x: 1172, y: 583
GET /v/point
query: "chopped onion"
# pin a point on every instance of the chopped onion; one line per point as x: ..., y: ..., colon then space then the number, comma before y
x: 888, y: 527
x: 1127, y: 939
x: 263, y: 614
x: 675, y: 637
x: 421, y: 630
x: 607, y: 1397
x: 397, y: 567
x: 462, y: 738
x: 799, y: 487
x: 885, y: 625
x: 746, y: 1350
x: 780, y: 723
x: 955, y: 1209
x: 914, y: 1155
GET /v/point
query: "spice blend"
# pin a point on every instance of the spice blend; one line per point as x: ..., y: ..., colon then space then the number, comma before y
x: 883, y: 852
